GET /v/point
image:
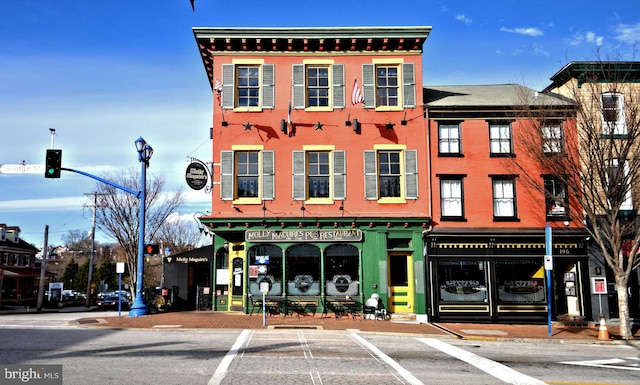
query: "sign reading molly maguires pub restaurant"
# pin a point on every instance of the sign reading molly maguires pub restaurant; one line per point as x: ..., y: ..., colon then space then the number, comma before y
x: 338, y: 235
x: 196, y: 176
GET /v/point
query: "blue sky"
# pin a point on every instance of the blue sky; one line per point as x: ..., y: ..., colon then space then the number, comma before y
x: 103, y: 73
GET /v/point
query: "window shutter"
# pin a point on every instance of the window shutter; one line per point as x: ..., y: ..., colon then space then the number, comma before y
x: 228, y: 78
x: 268, y: 83
x: 338, y: 86
x: 408, y: 85
x: 368, y: 85
x: 298, y: 86
x: 268, y: 175
x: 370, y: 175
x: 411, y: 174
x: 299, y: 175
x: 339, y: 176
x: 226, y: 175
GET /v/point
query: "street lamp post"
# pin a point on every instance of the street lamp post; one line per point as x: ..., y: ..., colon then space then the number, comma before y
x: 145, y: 151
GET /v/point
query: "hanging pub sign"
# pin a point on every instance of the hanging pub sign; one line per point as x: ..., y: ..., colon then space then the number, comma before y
x: 196, y: 176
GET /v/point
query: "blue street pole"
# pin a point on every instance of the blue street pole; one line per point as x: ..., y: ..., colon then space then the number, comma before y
x: 145, y: 151
x: 119, y: 293
x: 548, y: 266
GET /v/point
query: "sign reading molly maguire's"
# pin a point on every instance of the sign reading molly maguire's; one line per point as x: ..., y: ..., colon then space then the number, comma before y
x: 338, y: 235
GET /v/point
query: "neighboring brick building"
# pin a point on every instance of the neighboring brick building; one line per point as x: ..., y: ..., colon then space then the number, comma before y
x: 487, y: 244
x: 608, y: 95
x: 314, y: 196
x: 19, y: 276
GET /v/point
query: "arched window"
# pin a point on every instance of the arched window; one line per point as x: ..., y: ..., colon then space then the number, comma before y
x: 342, y: 270
x: 303, y: 270
x: 265, y: 269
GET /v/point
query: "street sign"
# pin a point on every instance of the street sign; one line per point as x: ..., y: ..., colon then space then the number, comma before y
x: 21, y: 168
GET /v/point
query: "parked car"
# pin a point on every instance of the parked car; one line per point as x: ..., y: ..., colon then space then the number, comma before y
x: 111, y: 302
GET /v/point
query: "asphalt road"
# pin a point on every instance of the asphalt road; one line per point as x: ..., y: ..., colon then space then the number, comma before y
x: 111, y: 356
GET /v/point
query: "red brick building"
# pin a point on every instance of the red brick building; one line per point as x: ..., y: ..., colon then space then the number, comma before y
x: 486, y: 247
x: 320, y: 156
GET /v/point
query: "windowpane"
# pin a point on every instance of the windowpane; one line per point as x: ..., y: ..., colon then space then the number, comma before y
x: 503, y: 198
x: 265, y: 267
x: 451, y: 197
x: 449, y: 141
x: 247, y: 174
x: 317, y: 86
x: 303, y: 270
x: 389, y: 173
x: 556, y: 197
x: 500, y: 138
x: 520, y: 281
x: 387, y: 85
x: 318, y: 174
x: 341, y: 269
x: 552, y: 138
x: 248, y: 83
x: 462, y: 281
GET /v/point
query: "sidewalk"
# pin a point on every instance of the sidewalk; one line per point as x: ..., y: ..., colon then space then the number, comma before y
x: 587, y: 333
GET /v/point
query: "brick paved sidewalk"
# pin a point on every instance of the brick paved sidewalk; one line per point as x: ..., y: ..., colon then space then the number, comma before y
x: 220, y: 320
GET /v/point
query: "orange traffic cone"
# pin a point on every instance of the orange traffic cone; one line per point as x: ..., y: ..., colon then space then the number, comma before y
x: 603, y: 333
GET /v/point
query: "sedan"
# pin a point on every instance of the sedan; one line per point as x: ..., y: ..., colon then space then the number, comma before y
x: 111, y: 302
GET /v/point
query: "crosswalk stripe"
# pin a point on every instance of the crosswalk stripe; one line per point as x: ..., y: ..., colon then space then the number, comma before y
x: 493, y: 368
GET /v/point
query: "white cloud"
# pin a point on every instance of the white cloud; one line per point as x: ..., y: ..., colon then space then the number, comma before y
x: 626, y: 33
x: 46, y: 204
x: 523, y: 31
x: 463, y: 19
x: 588, y: 37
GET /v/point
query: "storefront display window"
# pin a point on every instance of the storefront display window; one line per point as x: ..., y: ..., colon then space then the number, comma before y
x: 520, y: 281
x: 341, y: 269
x: 265, y: 268
x: 462, y: 281
x: 303, y: 270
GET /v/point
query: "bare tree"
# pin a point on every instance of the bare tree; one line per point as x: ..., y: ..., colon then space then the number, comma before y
x: 598, y: 162
x: 117, y: 214
x: 181, y: 233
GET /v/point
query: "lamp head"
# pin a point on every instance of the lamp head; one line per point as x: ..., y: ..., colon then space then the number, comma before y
x: 140, y: 143
x: 148, y: 151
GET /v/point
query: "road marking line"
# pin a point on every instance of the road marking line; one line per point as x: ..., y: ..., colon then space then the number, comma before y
x: 502, y: 372
x: 388, y: 360
x: 223, y: 367
x: 606, y: 363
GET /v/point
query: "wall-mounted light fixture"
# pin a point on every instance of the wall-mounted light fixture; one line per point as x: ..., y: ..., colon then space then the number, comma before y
x: 356, y: 126
x: 283, y: 126
x: 403, y: 122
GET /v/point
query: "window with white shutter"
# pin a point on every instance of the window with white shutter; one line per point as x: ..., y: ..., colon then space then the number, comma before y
x: 319, y: 175
x: 248, y: 86
x: 389, y: 85
x: 247, y: 176
x: 318, y: 85
x: 390, y: 175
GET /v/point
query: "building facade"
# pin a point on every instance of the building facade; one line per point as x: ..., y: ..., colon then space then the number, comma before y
x: 320, y: 182
x: 491, y: 204
x: 608, y: 94
x: 19, y: 276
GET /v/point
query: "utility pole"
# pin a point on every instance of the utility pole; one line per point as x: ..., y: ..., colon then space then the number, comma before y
x: 93, y: 246
x: 43, y: 266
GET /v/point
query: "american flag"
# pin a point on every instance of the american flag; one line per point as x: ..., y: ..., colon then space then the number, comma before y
x: 356, y: 95
x: 218, y: 89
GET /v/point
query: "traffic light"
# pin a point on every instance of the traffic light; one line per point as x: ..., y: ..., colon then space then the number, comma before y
x: 151, y: 249
x: 53, y: 164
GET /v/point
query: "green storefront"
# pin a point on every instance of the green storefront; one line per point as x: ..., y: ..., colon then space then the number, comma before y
x: 314, y: 262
